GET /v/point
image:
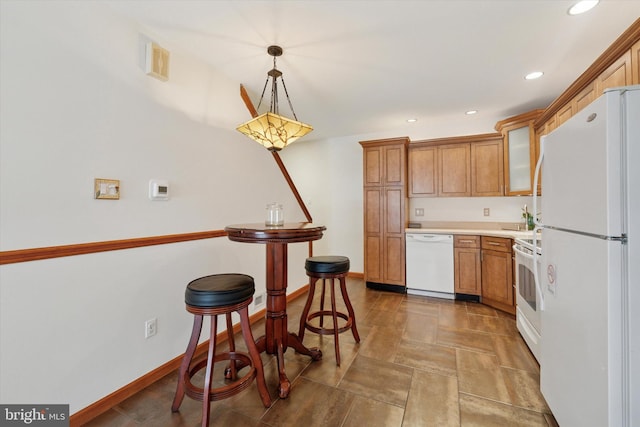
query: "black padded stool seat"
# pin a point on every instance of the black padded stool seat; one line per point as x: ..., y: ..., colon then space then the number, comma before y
x: 212, y: 296
x: 328, y: 267
x: 327, y: 264
x: 219, y: 290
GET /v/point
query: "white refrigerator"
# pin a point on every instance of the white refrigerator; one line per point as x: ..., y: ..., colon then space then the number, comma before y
x: 590, y: 271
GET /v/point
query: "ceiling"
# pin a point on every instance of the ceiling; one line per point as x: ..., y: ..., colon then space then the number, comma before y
x: 356, y: 67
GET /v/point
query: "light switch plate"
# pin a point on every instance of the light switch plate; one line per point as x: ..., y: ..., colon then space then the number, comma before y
x: 108, y: 189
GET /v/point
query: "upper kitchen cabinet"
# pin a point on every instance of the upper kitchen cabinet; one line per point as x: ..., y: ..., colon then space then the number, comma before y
x: 635, y: 63
x: 519, y: 152
x: 617, y: 74
x: 385, y: 212
x: 456, y: 167
x: 423, y: 171
x: 619, y: 65
x: 440, y: 168
x: 487, y: 173
x: 384, y: 162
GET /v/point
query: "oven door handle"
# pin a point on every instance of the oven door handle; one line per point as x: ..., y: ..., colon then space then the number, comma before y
x: 534, y: 257
x: 519, y: 251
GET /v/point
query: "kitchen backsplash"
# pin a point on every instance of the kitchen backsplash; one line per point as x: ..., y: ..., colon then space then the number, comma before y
x: 501, y: 209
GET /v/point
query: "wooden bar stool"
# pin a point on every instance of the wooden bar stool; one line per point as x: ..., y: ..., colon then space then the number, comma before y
x: 328, y: 267
x: 212, y: 296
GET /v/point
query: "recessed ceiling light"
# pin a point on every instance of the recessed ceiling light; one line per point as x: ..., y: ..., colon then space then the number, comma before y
x: 582, y: 7
x: 412, y: 120
x: 534, y: 75
x: 470, y: 112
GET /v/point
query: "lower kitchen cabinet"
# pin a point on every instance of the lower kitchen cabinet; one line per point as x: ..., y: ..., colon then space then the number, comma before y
x: 466, y: 264
x: 497, y: 273
x: 384, y: 245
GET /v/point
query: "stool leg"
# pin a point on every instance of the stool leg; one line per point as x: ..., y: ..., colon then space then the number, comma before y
x: 307, y: 306
x: 322, y: 302
x: 334, y: 313
x: 231, y: 373
x: 255, y: 357
x: 186, y: 361
x: 352, y: 315
x: 206, y: 397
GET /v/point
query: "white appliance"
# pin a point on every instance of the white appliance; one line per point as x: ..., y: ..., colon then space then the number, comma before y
x: 430, y: 264
x: 590, y: 353
x: 528, y: 299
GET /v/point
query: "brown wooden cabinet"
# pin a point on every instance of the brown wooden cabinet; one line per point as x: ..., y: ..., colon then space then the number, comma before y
x: 456, y: 167
x: 619, y: 65
x: 635, y: 63
x: 520, y: 152
x: 487, y: 173
x: 585, y: 97
x: 454, y: 170
x: 564, y: 114
x: 466, y: 265
x: 384, y: 164
x: 617, y: 74
x: 423, y: 171
x: 385, y: 215
x: 497, y: 273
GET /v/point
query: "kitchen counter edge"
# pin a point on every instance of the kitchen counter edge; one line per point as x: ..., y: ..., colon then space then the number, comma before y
x: 479, y: 232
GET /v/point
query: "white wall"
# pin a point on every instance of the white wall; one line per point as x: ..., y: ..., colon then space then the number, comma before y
x: 76, y: 105
x: 501, y: 209
x: 328, y: 175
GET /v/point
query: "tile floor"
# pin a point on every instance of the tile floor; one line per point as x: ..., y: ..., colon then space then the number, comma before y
x: 421, y: 362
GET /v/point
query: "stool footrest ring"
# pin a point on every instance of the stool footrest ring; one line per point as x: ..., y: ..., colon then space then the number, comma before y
x: 226, y: 391
x: 328, y: 331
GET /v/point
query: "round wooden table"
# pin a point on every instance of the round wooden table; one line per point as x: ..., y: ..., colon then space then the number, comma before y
x: 277, y: 337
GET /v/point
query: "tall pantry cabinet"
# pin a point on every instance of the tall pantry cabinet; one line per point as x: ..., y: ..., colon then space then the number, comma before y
x: 385, y: 215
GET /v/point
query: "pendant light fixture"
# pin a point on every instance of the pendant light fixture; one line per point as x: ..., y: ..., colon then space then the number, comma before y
x: 270, y: 129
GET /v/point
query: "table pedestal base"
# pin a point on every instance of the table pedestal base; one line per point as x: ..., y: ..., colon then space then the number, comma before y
x: 279, y: 349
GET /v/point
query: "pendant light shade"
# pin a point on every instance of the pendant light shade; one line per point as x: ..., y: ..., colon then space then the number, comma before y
x: 274, y: 131
x: 271, y: 129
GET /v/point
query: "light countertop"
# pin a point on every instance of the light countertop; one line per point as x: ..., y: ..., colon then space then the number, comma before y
x: 472, y: 228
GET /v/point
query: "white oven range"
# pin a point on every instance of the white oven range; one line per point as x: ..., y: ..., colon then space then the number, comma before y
x: 528, y: 299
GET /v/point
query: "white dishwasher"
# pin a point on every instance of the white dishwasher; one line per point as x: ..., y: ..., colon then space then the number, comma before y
x: 430, y: 265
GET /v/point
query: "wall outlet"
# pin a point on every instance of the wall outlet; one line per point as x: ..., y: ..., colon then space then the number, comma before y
x: 486, y: 211
x: 150, y: 327
x: 258, y: 300
x: 419, y: 212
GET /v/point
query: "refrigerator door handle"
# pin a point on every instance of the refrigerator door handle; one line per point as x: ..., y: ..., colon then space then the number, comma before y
x: 538, y: 224
x: 536, y: 177
x: 622, y: 238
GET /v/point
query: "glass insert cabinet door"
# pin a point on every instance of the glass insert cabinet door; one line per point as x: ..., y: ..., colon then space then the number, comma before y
x: 519, y: 145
